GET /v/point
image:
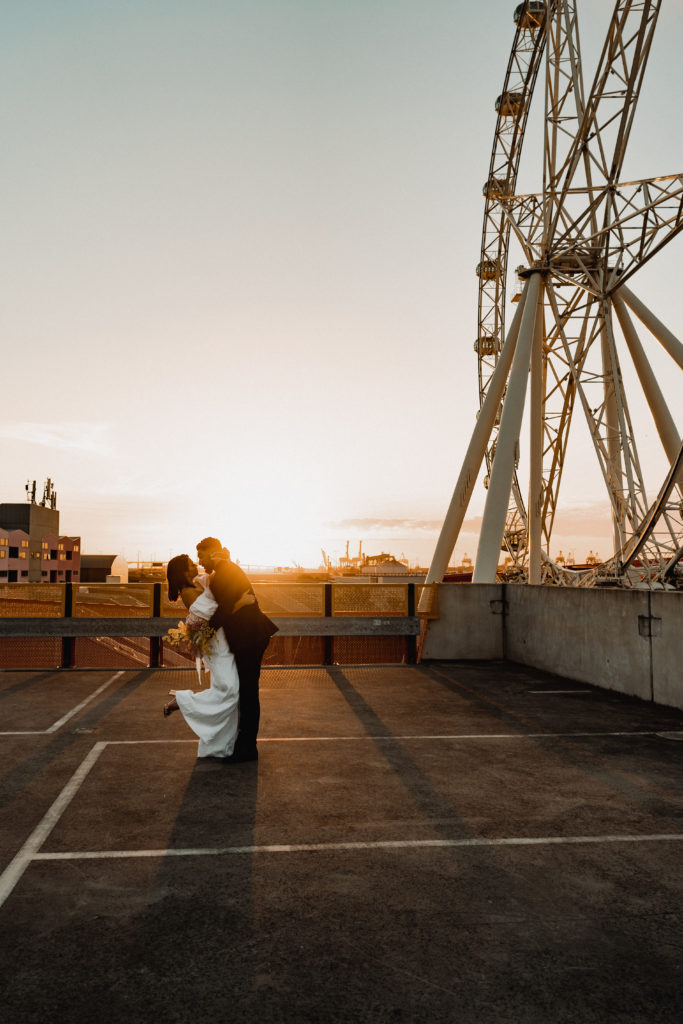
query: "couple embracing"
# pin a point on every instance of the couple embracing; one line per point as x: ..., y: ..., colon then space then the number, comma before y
x: 226, y: 716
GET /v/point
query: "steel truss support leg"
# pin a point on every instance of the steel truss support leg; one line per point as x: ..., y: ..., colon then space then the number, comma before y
x: 498, y: 495
x: 666, y: 428
x: 476, y: 450
x: 614, y: 463
x: 535, y: 505
x: 655, y: 326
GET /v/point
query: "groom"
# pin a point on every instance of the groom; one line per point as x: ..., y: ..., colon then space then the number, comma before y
x: 247, y: 631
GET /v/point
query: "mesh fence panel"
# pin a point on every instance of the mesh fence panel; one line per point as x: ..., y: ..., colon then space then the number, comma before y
x: 30, y: 652
x: 427, y: 599
x: 31, y: 600
x: 111, y: 652
x: 295, y: 650
x: 169, y: 609
x: 291, y: 598
x: 173, y: 658
x: 359, y: 650
x: 370, y: 599
x: 110, y: 600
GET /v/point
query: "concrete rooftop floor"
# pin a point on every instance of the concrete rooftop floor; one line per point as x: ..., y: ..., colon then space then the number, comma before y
x: 466, y: 842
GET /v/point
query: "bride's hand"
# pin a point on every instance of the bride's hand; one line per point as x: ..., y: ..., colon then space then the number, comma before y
x: 244, y: 600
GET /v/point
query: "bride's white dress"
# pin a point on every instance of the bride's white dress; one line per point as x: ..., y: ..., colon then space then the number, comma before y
x: 213, y: 713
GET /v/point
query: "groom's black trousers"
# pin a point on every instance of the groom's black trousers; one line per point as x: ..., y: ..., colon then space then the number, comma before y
x: 249, y: 670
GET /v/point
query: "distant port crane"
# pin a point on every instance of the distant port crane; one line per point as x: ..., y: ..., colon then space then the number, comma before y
x: 582, y: 238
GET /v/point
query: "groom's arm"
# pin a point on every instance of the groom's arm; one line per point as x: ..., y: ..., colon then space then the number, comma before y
x: 231, y: 588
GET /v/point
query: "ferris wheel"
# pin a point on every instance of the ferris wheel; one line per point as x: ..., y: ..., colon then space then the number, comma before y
x: 582, y: 238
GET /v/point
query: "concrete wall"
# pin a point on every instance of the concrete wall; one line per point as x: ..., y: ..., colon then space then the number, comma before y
x: 470, y: 623
x: 625, y: 640
x: 589, y: 635
x: 667, y: 648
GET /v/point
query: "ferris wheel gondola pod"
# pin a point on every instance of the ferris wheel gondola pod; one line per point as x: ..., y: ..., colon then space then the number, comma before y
x: 582, y: 237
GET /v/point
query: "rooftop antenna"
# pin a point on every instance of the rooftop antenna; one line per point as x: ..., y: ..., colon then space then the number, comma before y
x: 49, y: 494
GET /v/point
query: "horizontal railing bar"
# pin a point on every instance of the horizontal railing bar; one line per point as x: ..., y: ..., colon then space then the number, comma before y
x: 315, y: 626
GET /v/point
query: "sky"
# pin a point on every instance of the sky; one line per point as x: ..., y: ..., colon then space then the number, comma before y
x: 239, y: 242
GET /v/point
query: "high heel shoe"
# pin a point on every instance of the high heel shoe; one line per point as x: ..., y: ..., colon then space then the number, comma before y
x: 170, y: 707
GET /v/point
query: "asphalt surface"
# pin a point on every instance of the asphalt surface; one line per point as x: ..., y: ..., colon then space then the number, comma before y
x: 473, y: 842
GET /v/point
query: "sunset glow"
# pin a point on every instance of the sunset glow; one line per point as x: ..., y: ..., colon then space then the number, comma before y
x: 239, y: 288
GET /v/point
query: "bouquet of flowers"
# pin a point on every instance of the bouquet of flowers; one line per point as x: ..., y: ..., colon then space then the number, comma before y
x: 192, y: 636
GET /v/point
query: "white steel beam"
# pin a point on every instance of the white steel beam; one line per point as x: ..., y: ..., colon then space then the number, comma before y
x: 498, y: 495
x: 614, y: 463
x: 663, y: 335
x: 476, y: 450
x: 664, y: 422
x: 536, y: 431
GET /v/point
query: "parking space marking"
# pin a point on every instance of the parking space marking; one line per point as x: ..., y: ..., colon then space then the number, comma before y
x: 546, y: 692
x: 400, y: 738
x: 70, y: 714
x: 16, y: 868
x: 386, y: 844
x: 31, y: 849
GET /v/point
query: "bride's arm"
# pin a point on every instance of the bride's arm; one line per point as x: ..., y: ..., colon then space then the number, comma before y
x: 189, y: 595
x: 203, y: 607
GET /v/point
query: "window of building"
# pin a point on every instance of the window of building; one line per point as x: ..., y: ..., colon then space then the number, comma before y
x: 61, y: 547
x: 4, y: 541
x: 53, y: 553
x: 69, y: 556
x: 43, y: 573
x: 24, y: 543
x: 62, y: 556
x: 14, y: 552
x: 3, y: 572
x: 3, y: 553
x: 22, y: 554
x: 76, y: 547
x: 45, y: 544
x: 24, y: 573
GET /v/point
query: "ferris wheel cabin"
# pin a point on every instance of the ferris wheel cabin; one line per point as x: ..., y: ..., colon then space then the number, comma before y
x: 510, y: 104
x: 530, y: 15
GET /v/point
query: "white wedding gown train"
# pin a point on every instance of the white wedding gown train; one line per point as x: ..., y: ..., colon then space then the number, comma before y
x: 213, y: 714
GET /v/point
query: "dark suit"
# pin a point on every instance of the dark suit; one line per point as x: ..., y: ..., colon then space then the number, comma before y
x: 248, y: 632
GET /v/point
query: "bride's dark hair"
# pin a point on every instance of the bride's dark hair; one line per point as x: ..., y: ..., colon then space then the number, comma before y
x: 180, y: 571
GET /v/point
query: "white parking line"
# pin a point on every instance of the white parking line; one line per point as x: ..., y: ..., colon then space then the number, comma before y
x: 387, y: 844
x: 70, y: 714
x: 400, y: 738
x: 17, y: 866
x: 545, y: 692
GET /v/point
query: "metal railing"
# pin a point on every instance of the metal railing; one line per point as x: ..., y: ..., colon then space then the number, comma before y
x: 142, y: 613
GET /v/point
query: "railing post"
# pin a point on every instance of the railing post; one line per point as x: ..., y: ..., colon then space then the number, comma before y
x: 327, y: 640
x: 68, y: 642
x: 411, y: 641
x: 156, y: 647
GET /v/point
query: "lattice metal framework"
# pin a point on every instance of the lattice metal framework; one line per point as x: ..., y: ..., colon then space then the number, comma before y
x: 582, y: 238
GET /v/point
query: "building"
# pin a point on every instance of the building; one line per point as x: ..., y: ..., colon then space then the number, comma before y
x: 31, y: 547
x: 14, y: 556
x: 103, y: 569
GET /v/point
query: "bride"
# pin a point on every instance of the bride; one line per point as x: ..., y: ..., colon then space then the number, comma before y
x: 213, y: 713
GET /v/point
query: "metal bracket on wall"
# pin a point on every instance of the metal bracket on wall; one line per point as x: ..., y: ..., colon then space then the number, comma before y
x: 649, y: 625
